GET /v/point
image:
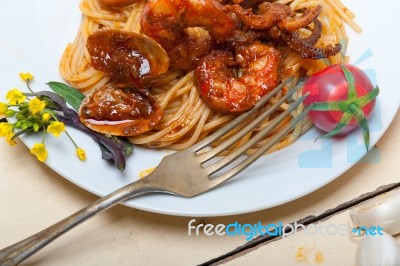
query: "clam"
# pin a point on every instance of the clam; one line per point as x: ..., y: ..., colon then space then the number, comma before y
x: 125, y: 107
x: 120, y: 111
x: 126, y: 56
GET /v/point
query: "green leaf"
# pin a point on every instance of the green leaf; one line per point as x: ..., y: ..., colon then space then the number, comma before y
x: 71, y: 95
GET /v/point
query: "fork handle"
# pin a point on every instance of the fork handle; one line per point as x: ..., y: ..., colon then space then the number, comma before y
x: 15, y: 254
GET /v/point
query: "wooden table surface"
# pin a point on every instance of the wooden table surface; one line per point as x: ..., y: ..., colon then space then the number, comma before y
x: 34, y: 197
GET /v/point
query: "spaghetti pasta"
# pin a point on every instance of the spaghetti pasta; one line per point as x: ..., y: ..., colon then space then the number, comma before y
x: 187, y: 119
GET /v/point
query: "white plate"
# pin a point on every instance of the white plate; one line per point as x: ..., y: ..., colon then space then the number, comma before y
x: 35, y: 32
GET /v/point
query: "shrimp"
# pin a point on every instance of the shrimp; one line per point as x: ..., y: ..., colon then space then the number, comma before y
x: 167, y: 21
x: 224, y: 92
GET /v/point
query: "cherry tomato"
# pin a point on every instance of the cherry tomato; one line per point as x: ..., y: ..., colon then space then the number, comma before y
x: 343, y: 98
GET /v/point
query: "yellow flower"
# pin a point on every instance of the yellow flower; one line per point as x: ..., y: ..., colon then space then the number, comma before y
x: 36, y: 105
x: 10, y: 139
x: 39, y: 150
x: 15, y: 96
x: 3, y: 108
x: 5, y: 129
x: 56, y: 128
x: 81, y: 154
x: 26, y: 76
x: 46, y: 117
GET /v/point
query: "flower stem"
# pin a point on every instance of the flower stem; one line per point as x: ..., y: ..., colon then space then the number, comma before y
x: 29, y: 87
x: 69, y: 136
x: 44, y: 134
x: 66, y: 132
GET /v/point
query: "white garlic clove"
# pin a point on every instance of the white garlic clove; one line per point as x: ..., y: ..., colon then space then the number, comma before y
x: 383, y: 211
x: 378, y: 250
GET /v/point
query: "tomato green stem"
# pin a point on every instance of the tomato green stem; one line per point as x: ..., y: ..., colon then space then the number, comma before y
x: 339, y: 127
x: 362, y: 121
x: 367, y: 98
x: 326, y: 106
x: 350, y: 84
x: 351, y: 108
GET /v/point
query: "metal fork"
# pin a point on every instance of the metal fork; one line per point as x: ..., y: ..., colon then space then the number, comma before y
x: 188, y: 178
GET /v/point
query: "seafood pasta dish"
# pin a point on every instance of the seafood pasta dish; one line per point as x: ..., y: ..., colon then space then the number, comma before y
x: 167, y: 73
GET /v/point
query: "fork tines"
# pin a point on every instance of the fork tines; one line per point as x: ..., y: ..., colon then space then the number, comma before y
x: 204, y: 157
